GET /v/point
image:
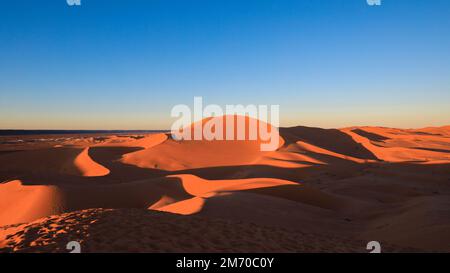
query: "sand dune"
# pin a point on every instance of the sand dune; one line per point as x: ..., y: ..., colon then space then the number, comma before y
x: 203, y: 189
x: 87, y: 166
x: 178, y: 155
x: 20, y: 204
x: 60, y: 161
x: 402, y: 146
x: 317, y: 150
x: 349, y: 185
x: 41, y: 161
x: 182, y: 194
x: 145, y: 142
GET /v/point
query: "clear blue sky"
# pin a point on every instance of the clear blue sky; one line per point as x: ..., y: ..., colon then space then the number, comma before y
x: 123, y: 64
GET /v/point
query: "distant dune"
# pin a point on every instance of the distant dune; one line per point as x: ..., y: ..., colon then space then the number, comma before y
x: 322, y: 190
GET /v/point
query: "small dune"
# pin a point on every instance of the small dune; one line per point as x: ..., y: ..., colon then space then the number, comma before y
x: 54, y: 161
x: 88, y: 167
x: 203, y: 189
x: 144, y: 142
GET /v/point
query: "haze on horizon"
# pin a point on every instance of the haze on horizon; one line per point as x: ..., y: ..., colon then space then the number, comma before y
x: 124, y: 64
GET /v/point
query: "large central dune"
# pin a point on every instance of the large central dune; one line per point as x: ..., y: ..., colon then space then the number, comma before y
x: 203, y: 152
x: 350, y: 185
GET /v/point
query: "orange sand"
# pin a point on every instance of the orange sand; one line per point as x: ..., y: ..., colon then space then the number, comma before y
x: 346, y: 186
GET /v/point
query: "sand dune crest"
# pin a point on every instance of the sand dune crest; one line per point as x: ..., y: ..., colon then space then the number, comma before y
x: 87, y: 166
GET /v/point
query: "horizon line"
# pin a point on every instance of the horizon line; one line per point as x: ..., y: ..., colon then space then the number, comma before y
x: 167, y: 130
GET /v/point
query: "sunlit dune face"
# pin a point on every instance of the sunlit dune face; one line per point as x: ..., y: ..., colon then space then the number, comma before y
x: 231, y: 128
x: 203, y: 189
x: 87, y: 166
x: 20, y: 203
x: 145, y: 142
x: 238, y: 145
x: 182, y: 155
x: 397, y: 145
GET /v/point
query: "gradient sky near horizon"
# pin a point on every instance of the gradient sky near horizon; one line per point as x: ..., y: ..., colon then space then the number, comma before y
x: 123, y: 64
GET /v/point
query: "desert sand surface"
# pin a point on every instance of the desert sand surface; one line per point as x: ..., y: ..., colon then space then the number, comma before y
x: 102, y: 230
x: 322, y: 190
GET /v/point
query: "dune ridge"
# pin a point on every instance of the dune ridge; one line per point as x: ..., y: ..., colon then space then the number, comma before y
x: 87, y: 166
x: 203, y: 189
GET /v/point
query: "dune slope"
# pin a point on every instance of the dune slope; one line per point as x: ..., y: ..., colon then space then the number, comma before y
x: 101, y: 230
